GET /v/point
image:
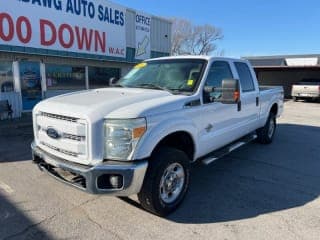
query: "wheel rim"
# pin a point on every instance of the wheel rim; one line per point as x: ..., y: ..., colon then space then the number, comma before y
x: 271, y: 127
x: 172, y: 182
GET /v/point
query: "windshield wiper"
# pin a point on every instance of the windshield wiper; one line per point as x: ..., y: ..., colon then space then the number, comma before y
x: 117, y: 85
x: 153, y: 86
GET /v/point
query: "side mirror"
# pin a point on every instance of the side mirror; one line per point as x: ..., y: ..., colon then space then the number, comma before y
x: 230, y: 91
x: 113, y: 81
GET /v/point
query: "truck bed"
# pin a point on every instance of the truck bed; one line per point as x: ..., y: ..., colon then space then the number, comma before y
x: 270, y: 94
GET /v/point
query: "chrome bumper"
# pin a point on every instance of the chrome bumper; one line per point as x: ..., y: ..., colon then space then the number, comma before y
x: 306, y: 95
x: 89, y: 178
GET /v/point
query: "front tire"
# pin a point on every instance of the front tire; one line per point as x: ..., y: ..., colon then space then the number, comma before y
x: 266, y: 133
x: 166, y: 181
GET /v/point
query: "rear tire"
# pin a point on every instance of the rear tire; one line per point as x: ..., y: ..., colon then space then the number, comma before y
x: 166, y: 181
x: 295, y: 99
x: 266, y: 133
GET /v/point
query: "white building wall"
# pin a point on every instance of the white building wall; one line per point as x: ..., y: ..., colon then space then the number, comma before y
x: 130, y: 28
x: 161, y: 35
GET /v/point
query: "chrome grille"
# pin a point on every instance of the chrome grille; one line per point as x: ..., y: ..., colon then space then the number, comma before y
x: 60, y: 117
x: 72, y: 142
x: 73, y: 154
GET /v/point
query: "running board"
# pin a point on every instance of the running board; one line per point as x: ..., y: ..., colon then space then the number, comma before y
x: 215, y: 155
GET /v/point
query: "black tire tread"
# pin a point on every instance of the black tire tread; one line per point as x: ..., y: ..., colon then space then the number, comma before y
x: 148, y: 196
x: 262, y: 133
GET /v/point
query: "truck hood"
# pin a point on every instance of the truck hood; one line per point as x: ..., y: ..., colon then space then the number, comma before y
x: 112, y: 103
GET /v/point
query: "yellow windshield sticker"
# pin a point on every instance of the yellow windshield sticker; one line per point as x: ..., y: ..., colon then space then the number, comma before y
x: 140, y: 65
x: 190, y: 82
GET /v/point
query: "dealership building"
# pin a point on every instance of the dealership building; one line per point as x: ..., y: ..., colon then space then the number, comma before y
x: 53, y: 47
x: 285, y: 70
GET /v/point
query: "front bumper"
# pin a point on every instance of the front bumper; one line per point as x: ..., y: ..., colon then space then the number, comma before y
x: 94, y: 179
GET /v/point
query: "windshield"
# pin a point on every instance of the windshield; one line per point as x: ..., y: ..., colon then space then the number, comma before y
x: 174, y: 75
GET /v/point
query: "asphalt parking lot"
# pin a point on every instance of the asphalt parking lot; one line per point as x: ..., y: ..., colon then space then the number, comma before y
x: 257, y: 192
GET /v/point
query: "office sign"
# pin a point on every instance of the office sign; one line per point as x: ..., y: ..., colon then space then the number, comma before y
x: 143, y: 27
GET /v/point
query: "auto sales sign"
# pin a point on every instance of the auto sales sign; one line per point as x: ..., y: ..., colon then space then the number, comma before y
x: 81, y: 26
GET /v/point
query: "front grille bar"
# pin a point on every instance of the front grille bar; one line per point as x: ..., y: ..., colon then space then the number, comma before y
x: 73, y: 154
x: 60, y: 117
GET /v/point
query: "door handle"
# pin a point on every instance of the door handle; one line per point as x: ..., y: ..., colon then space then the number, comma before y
x: 239, y: 105
x: 209, y: 127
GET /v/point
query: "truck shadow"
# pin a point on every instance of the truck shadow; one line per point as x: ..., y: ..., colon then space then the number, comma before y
x: 256, y: 179
x: 14, y: 224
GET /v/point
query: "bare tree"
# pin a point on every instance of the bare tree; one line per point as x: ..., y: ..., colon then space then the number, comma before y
x: 220, y: 53
x: 191, y: 39
x: 181, y: 31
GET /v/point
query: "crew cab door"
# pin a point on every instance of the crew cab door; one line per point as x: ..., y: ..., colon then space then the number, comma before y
x: 250, y: 102
x: 219, y: 123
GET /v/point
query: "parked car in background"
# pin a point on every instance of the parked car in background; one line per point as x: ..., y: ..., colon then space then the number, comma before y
x: 307, y: 89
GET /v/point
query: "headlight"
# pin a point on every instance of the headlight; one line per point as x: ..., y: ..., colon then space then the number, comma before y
x: 122, y: 137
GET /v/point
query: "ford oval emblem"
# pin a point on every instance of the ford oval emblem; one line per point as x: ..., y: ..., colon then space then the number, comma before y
x: 51, y: 132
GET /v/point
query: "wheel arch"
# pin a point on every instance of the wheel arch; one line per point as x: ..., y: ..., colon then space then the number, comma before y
x: 181, y: 140
x: 274, y: 109
x: 181, y: 135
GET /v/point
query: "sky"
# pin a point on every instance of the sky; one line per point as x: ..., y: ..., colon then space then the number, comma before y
x: 250, y: 28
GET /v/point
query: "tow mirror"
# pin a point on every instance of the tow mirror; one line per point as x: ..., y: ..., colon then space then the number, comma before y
x: 113, y: 81
x: 230, y: 91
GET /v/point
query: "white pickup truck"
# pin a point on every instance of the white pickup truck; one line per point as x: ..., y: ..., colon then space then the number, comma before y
x: 141, y: 135
x: 306, y: 89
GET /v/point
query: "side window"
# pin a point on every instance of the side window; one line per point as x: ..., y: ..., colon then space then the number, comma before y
x: 219, y: 70
x: 245, y: 76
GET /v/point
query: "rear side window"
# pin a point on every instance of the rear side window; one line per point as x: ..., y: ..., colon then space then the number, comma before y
x: 245, y: 76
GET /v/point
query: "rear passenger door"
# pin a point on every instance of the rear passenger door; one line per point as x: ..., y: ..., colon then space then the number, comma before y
x: 249, y: 97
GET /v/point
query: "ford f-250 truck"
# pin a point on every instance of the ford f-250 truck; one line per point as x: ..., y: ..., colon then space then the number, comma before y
x: 141, y: 135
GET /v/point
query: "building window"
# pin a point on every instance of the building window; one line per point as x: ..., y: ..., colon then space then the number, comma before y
x: 99, y: 77
x: 61, y: 77
x: 6, y: 77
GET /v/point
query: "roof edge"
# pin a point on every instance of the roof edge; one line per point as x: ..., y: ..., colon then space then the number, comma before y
x: 281, y: 56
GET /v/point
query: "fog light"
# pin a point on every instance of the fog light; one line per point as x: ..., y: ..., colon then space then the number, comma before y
x: 116, y: 181
x: 110, y: 181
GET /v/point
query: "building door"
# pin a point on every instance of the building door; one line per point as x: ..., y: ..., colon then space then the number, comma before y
x: 30, y: 79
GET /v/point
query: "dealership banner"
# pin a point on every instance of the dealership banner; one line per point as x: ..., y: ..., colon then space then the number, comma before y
x: 143, y: 27
x: 81, y: 26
